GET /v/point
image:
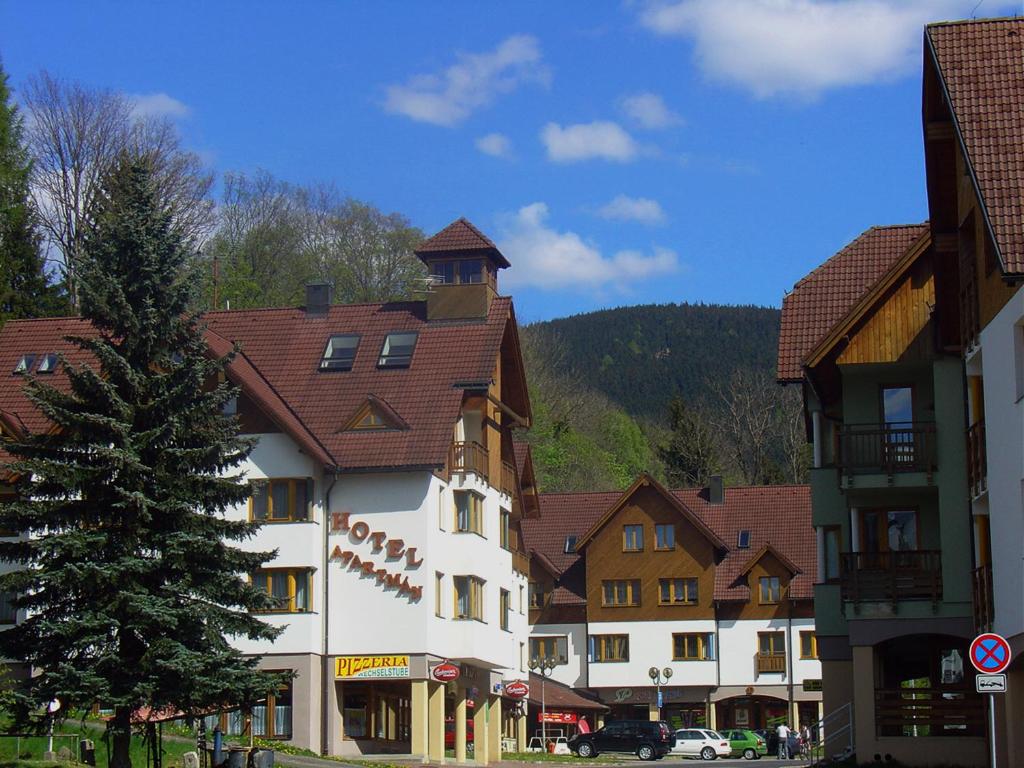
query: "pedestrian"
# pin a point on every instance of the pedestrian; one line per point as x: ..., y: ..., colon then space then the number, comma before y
x: 783, y: 733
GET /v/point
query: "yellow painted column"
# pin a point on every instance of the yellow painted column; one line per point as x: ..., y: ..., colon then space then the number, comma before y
x: 712, y: 715
x: 435, y: 726
x: 521, y: 735
x: 652, y: 712
x: 494, y: 728
x: 420, y: 718
x: 460, y: 725
x: 481, y: 734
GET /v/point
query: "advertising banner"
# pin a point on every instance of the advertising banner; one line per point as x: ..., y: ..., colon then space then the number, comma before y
x: 370, y: 667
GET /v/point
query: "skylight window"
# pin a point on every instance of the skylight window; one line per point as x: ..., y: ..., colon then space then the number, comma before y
x: 48, y: 364
x: 340, y: 352
x: 570, y: 545
x: 24, y: 364
x: 743, y: 541
x: 397, y: 350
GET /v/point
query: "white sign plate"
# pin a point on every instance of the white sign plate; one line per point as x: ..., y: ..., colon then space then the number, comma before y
x: 990, y: 683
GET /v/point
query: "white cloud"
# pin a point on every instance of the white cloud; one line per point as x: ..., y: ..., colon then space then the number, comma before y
x: 157, y: 105
x: 800, y: 47
x: 546, y: 258
x: 495, y: 145
x: 625, y: 208
x: 449, y: 97
x: 600, y: 139
x: 649, y: 110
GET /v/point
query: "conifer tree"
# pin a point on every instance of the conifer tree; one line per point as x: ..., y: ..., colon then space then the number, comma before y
x: 25, y: 290
x: 132, y: 585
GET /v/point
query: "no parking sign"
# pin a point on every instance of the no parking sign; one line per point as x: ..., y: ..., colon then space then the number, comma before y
x: 990, y: 653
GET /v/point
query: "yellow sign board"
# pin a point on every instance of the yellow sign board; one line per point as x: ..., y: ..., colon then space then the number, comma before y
x: 369, y: 667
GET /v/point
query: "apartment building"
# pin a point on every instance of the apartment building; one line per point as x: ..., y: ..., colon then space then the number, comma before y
x: 385, y: 478
x: 714, y: 585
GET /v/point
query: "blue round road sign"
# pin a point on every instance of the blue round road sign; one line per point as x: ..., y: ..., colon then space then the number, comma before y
x: 990, y: 653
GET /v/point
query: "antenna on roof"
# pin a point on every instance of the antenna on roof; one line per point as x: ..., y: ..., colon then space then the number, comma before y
x: 429, y: 282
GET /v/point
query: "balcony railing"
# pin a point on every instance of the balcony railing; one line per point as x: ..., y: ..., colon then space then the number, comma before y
x: 775, y: 662
x: 977, y: 461
x: 928, y: 712
x: 508, y: 479
x: 984, y: 606
x: 468, y: 457
x: 891, y: 576
x: 887, y: 448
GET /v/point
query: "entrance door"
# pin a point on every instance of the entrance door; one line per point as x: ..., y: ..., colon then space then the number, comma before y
x: 888, y: 530
x: 898, y: 445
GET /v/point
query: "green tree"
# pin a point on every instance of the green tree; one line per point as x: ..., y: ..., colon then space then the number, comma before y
x: 25, y: 290
x: 693, y: 453
x: 130, y: 578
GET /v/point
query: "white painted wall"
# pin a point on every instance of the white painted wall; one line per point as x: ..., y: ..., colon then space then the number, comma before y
x: 738, y: 646
x: 650, y: 645
x: 575, y: 672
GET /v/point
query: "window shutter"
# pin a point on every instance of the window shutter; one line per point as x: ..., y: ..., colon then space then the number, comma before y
x: 309, y: 498
x: 590, y: 649
x: 711, y: 647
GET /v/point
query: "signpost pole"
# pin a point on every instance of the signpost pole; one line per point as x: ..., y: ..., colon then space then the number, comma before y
x: 990, y: 655
x: 992, y: 727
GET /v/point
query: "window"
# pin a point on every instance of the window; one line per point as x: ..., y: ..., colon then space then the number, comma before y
x: 369, y: 417
x: 538, y: 599
x: 462, y: 271
x: 664, y: 537
x: 24, y: 364
x: 605, y: 648
x: 272, y: 718
x: 677, y: 591
x: 471, y: 271
x: 504, y: 607
x: 445, y: 270
x: 442, y: 510
x: 620, y: 592
x: 693, y: 647
x: 397, y: 350
x: 230, y: 407
x: 550, y: 648
x: 522, y: 657
x: 340, y: 352
x: 771, y: 643
x: 468, y: 512
x: 522, y: 600
x: 290, y: 587
x: 771, y: 590
x: 743, y: 540
x: 808, y: 645
x: 505, y: 521
x: 897, y: 406
x: 831, y: 554
x: 469, y: 597
x: 888, y: 530
x: 632, y: 538
x: 570, y: 545
x: 48, y: 364
x: 8, y: 613
x: 439, y: 594
x: 281, y: 500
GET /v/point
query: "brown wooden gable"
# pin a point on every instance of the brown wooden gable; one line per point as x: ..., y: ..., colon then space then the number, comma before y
x: 769, y: 550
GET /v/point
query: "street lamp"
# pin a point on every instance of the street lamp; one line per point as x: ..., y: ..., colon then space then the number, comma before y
x: 545, y: 667
x: 659, y: 677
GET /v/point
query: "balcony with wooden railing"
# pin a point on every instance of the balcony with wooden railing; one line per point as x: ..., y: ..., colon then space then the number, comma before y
x: 887, y: 448
x: 977, y: 459
x: 984, y: 605
x: 891, y: 576
x: 770, y: 662
x: 508, y: 479
x: 924, y: 712
x: 468, y: 457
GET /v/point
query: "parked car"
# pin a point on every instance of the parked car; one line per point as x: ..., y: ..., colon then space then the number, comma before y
x: 646, y: 739
x: 701, y: 742
x: 449, y: 733
x: 771, y: 741
x: 746, y: 743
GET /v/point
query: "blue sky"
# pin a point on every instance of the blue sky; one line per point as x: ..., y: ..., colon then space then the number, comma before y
x: 619, y: 152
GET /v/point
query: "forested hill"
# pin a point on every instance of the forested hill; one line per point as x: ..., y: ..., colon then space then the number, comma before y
x: 641, y: 357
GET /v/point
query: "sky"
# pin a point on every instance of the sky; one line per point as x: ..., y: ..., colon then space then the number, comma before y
x: 618, y: 152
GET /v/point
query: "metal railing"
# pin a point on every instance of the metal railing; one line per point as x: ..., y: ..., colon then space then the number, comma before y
x: 977, y: 460
x: 773, y: 662
x: 831, y: 737
x: 984, y: 606
x: 888, y: 448
x: 468, y: 457
x: 891, y: 576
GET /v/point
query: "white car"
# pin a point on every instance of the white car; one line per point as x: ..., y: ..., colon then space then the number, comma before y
x: 701, y: 742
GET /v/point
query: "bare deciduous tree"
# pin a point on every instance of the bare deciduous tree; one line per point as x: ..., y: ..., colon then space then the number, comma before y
x: 749, y: 402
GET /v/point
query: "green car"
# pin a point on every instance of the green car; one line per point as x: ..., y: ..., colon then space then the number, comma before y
x: 745, y: 743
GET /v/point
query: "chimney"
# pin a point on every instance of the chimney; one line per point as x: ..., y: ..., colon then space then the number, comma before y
x: 716, y: 490
x: 318, y: 298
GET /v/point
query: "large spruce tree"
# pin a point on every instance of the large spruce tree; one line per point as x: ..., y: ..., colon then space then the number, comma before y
x: 131, y: 585
x: 25, y: 290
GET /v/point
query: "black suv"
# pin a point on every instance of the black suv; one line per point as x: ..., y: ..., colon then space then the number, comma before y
x: 646, y: 739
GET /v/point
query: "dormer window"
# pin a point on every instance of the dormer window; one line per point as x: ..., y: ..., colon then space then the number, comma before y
x: 340, y: 352
x: 461, y: 272
x: 397, y: 350
x: 570, y: 545
x: 24, y: 364
x: 743, y: 540
x: 471, y: 271
x: 48, y: 364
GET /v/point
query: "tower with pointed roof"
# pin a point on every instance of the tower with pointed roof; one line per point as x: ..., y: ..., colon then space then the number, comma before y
x: 463, y: 265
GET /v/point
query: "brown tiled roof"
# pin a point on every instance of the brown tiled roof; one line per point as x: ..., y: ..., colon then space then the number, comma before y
x: 559, y: 696
x: 826, y: 295
x: 981, y: 64
x: 279, y: 367
x: 461, y: 235
x: 775, y: 515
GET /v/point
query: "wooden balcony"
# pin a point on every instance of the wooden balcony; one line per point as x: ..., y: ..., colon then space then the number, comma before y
x: 984, y: 606
x: 520, y: 562
x: 775, y: 662
x: 468, y: 457
x: 928, y: 712
x: 891, y: 576
x: 977, y: 460
x: 508, y: 479
x: 887, y: 448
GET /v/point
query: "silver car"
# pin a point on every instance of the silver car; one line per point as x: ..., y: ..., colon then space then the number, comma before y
x: 701, y: 742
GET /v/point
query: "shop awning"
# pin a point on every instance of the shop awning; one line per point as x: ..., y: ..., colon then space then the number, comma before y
x: 561, y: 696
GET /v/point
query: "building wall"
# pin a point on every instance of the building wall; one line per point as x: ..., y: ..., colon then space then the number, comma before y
x: 650, y: 644
x: 738, y: 644
x: 575, y: 672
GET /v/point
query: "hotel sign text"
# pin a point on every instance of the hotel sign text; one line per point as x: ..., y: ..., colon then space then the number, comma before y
x: 389, y: 549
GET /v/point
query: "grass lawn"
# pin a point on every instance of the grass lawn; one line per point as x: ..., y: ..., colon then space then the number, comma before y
x: 28, y: 752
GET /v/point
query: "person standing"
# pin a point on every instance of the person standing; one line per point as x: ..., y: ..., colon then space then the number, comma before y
x: 783, y: 733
